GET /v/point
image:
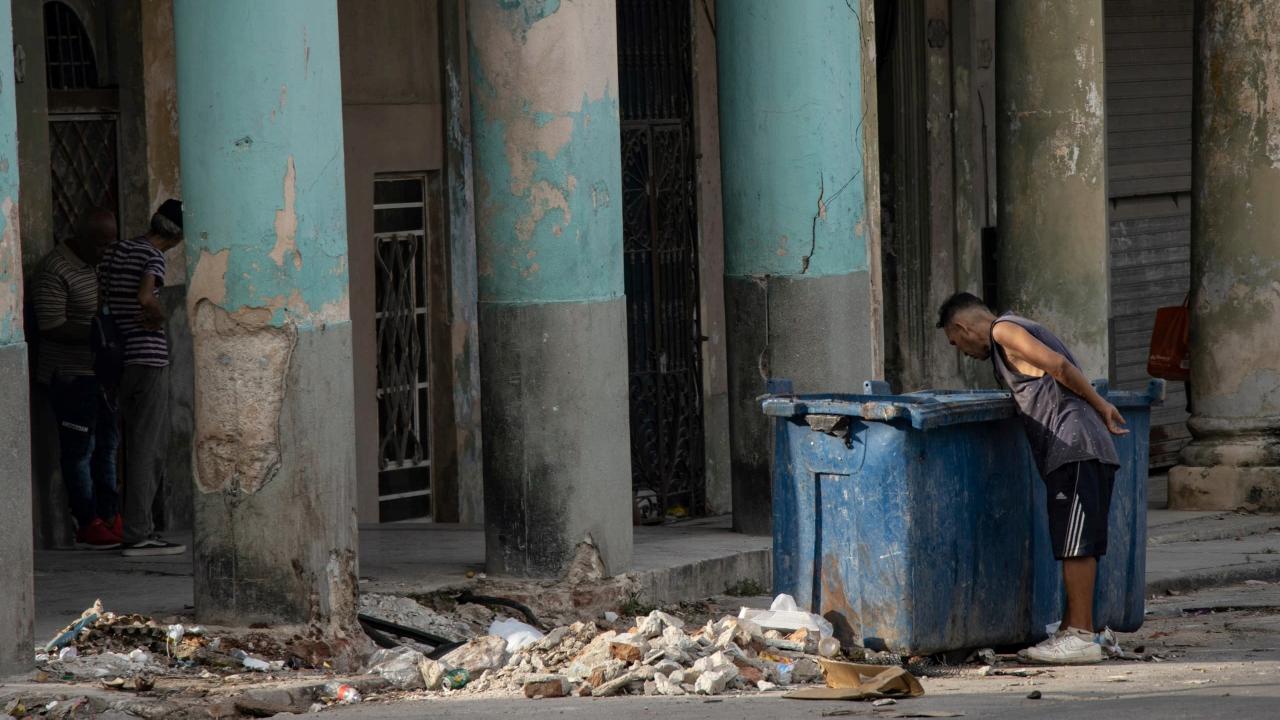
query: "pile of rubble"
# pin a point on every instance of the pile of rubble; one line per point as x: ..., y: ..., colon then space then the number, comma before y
x: 659, y: 655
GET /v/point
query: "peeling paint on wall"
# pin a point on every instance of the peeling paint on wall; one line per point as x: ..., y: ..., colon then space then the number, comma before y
x: 287, y: 222
x: 548, y: 167
x: 11, y: 331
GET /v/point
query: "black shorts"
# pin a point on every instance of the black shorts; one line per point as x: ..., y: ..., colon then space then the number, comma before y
x: 1078, y: 496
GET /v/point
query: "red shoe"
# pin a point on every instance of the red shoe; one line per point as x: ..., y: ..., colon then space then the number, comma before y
x: 97, y: 537
x: 117, y: 527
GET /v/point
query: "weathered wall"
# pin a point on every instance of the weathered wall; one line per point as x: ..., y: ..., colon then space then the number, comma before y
x: 17, y: 593
x: 545, y: 129
x: 393, y: 119
x: 711, y: 314
x: 797, y: 279
x: 260, y: 112
x: 464, y: 330
x: 1053, y: 249
x: 1235, y: 263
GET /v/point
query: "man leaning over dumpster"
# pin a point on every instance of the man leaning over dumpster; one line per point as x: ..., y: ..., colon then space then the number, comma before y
x: 1069, y: 427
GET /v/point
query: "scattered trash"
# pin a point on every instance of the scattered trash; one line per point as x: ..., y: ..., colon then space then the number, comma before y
x: 784, y: 614
x: 456, y: 679
x: 1034, y: 695
x: 256, y: 664
x: 883, y: 702
x: 68, y: 653
x: 611, y: 616
x: 70, y: 632
x: 341, y: 693
x: 517, y: 634
x: 850, y: 681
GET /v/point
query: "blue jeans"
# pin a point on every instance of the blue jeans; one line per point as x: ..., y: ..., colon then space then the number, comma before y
x: 88, y: 441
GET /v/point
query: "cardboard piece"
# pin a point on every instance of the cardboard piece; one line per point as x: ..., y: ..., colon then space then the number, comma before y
x: 853, y: 681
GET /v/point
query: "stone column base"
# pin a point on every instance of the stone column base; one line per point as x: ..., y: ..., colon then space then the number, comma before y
x: 1224, y: 487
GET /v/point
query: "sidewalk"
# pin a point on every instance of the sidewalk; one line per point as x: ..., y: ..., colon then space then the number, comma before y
x: 687, y: 560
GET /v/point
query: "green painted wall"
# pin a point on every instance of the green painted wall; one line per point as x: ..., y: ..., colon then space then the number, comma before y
x: 10, y: 248
x: 791, y: 137
x: 548, y: 165
x: 262, y: 159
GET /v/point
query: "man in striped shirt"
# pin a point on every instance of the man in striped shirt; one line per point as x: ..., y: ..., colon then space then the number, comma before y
x: 66, y: 299
x: 131, y: 277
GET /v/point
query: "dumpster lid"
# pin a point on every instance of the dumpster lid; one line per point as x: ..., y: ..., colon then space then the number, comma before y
x: 930, y: 409
x: 923, y: 411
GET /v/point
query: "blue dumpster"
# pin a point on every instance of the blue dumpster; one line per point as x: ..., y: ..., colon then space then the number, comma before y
x: 916, y: 522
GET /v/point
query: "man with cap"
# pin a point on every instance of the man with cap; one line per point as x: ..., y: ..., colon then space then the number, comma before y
x: 131, y: 276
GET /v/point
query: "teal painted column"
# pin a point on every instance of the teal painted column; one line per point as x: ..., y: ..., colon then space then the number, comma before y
x: 547, y: 165
x: 17, y: 594
x: 260, y: 107
x: 799, y: 297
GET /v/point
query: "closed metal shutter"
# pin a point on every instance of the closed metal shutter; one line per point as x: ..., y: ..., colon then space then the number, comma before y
x: 1149, y: 59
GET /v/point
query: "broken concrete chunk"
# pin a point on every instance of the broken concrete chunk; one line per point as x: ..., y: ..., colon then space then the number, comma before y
x: 400, y: 666
x: 714, y: 660
x: 716, y: 680
x: 665, y: 686
x: 650, y: 687
x: 656, y: 623
x: 613, y: 687
x: 676, y: 638
x: 432, y: 673
x: 606, y: 672
x: 545, y: 686
x: 486, y: 653
x: 628, y: 649
x: 805, y: 670
x: 667, y: 667
x: 553, y: 639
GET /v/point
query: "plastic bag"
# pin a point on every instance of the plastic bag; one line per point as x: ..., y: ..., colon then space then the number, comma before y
x: 1169, y: 340
x: 783, y: 614
x: 517, y: 634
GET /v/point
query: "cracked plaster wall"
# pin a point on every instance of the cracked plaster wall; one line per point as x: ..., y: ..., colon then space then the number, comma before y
x: 791, y: 134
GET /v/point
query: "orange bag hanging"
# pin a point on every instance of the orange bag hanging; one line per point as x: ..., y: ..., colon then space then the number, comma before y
x: 1169, y: 341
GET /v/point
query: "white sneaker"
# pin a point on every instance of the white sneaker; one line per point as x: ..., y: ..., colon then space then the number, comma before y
x: 1064, y: 648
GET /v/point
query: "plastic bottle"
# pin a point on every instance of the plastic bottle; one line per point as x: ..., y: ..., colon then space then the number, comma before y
x: 342, y: 693
x: 828, y: 647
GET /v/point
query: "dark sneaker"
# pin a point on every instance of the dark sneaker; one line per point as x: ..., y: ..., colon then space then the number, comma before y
x: 97, y: 537
x: 152, y: 546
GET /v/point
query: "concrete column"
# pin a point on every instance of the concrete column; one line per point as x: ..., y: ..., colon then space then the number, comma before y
x: 260, y: 116
x: 1051, y: 172
x: 548, y: 193
x: 799, y: 298
x: 1234, y: 460
x: 17, y: 592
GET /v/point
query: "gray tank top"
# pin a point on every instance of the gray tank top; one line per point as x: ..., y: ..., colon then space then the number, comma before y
x: 1061, y: 426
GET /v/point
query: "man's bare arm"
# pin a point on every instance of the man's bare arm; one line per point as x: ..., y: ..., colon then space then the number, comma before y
x: 1018, y: 342
x: 152, y: 312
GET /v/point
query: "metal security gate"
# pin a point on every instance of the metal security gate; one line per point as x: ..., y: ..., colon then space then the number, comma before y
x: 83, y: 163
x: 660, y: 244
x: 401, y: 319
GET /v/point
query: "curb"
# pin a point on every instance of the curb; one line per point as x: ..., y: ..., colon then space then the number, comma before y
x: 1221, y: 528
x: 1218, y: 577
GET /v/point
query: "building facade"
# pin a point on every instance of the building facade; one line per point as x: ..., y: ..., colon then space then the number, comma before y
x: 530, y: 264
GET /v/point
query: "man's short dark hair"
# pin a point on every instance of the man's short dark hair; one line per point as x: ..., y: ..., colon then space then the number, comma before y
x: 956, y: 303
